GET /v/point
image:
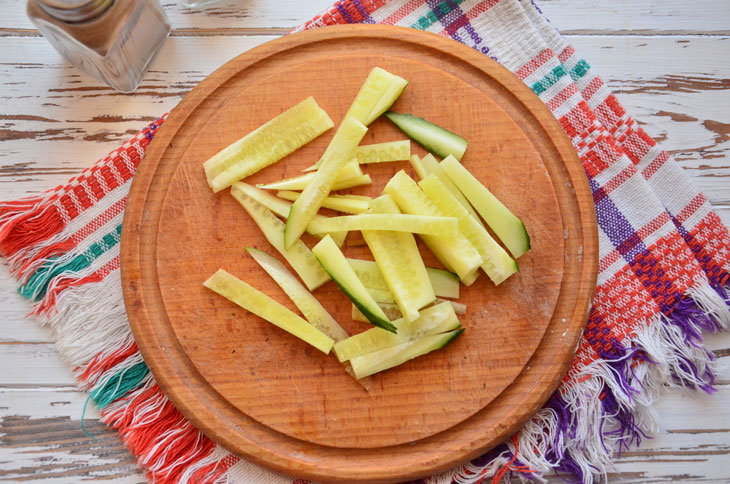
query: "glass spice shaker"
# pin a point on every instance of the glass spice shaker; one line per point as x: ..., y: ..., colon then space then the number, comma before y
x: 112, y: 40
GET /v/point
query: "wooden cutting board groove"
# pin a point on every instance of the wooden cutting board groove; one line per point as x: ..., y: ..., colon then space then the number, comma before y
x: 269, y: 397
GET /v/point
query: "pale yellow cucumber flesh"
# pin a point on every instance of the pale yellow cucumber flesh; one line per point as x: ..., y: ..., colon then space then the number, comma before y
x: 340, y: 203
x: 384, y: 152
x: 417, y: 164
x: 377, y: 94
x: 498, y: 265
x: 267, y: 144
x: 339, y: 184
x: 298, y: 256
x: 433, y: 320
x: 456, y: 252
x: 338, y: 153
x: 444, y: 283
x: 431, y: 165
x: 391, y: 309
x: 396, y: 255
x: 506, y: 225
x: 310, y: 307
x: 377, y: 361
x: 415, y: 224
x: 255, y: 301
x: 281, y: 208
x: 391, y: 95
x: 334, y: 262
x: 350, y: 170
x: 352, y: 182
x: 470, y: 278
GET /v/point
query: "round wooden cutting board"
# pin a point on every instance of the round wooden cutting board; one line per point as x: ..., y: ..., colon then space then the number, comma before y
x: 269, y: 397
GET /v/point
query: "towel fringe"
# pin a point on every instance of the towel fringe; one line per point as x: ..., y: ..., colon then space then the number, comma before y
x: 610, y: 406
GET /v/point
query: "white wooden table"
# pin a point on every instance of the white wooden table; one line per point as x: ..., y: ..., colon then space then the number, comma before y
x: 668, y: 61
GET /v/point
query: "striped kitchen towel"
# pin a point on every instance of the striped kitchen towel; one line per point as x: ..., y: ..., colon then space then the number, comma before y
x: 663, y: 271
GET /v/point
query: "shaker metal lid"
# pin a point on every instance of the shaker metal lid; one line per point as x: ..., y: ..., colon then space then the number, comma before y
x: 74, y: 10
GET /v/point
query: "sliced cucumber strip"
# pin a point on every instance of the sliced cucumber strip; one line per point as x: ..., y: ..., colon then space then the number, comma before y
x: 350, y: 170
x: 383, y: 152
x: 498, y: 265
x: 415, y: 224
x: 340, y: 203
x: 396, y: 255
x: 434, y: 320
x: 386, y: 358
x: 391, y: 309
x: 298, y: 256
x: 435, y: 139
x: 339, y: 151
x: 469, y: 279
x: 302, y: 298
x: 417, y: 164
x: 455, y: 252
x: 334, y: 262
x: 255, y: 301
x: 352, y: 182
x: 379, y: 91
x: 431, y: 165
x: 444, y: 283
x: 377, y: 94
x: 281, y: 208
x: 508, y: 227
x: 267, y: 144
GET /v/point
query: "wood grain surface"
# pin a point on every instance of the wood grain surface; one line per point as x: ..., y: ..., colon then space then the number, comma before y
x: 666, y: 60
x: 267, y: 396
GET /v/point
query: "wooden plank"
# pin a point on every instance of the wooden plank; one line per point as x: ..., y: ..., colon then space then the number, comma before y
x: 228, y: 14
x: 33, y: 364
x: 630, y: 16
x: 572, y: 16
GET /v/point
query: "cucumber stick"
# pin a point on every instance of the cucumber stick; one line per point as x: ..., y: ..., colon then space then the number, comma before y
x: 281, y: 208
x: 391, y: 309
x: 350, y: 170
x: 454, y: 252
x: 396, y: 255
x: 444, y: 283
x: 302, y: 298
x: 431, y: 165
x: 255, y: 301
x: 340, y: 203
x: 339, y: 151
x: 506, y: 225
x: 298, y: 256
x: 343, y: 184
x: 390, y: 357
x: 434, y: 138
x: 378, y: 93
x: 436, y: 319
x: 417, y: 164
x: 334, y: 262
x: 267, y: 144
x: 416, y: 224
x: 498, y: 265
x: 383, y: 152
